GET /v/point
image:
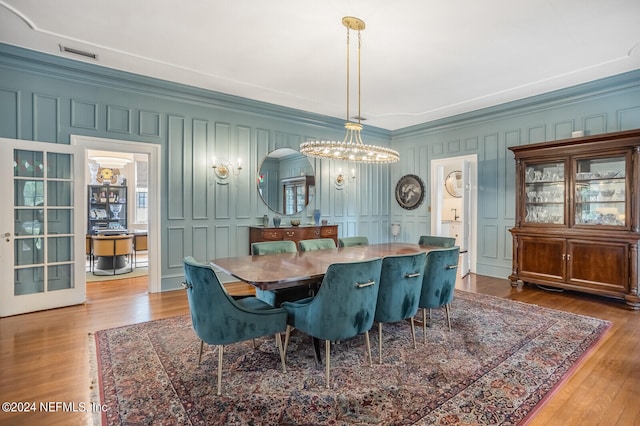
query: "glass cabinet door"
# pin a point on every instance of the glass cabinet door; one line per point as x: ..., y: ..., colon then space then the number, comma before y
x: 300, y: 198
x: 600, y: 186
x: 544, y: 191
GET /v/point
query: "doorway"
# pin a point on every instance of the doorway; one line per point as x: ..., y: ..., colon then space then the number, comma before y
x: 454, y: 205
x: 152, y: 153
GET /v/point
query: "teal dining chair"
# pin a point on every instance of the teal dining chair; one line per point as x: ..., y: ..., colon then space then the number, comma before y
x: 432, y: 240
x: 438, y: 283
x: 317, y: 244
x: 220, y: 320
x: 276, y: 297
x: 273, y: 247
x: 353, y: 241
x: 343, y: 308
x: 399, y: 293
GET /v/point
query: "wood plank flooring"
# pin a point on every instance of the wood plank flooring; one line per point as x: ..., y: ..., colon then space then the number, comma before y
x: 44, y: 356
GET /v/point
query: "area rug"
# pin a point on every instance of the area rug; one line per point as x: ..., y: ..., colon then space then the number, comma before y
x: 499, y: 362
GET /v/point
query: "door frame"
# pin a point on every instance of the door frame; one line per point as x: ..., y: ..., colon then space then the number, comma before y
x: 470, y: 203
x: 154, y: 202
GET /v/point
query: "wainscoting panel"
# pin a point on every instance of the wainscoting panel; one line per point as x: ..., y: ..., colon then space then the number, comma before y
x: 84, y: 114
x: 201, y: 170
x: 175, y: 164
x: 46, y: 118
x: 118, y: 119
x: 9, y: 117
x: 488, y: 178
x: 175, y: 250
x: 200, y: 243
x: 595, y: 124
x: 629, y: 119
x: 149, y: 124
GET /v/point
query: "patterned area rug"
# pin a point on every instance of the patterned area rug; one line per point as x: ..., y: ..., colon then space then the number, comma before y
x: 500, y: 361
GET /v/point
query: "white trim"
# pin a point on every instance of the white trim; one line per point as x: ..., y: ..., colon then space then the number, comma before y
x: 154, y: 151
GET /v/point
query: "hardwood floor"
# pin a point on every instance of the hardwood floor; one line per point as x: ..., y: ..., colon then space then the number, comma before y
x: 44, y: 356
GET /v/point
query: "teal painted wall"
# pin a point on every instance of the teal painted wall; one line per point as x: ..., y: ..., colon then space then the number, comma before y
x: 602, y: 106
x: 47, y: 98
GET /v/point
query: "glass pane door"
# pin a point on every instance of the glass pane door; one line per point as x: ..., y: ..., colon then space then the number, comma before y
x: 39, y: 253
x: 600, y: 186
x: 545, y: 193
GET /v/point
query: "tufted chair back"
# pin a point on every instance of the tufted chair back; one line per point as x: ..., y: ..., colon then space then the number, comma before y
x: 353, y: 241
x: 439, y: 281
x: 317, y: 244
x: 431, y: 240
x: 273, y: 247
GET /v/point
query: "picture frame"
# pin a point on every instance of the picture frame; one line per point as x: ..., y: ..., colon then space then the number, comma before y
x: 410, y: 192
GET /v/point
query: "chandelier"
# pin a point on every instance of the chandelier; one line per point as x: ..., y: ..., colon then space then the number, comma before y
x: 351, y: 148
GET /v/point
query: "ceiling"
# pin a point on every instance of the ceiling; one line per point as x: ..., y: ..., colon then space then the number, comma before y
x: 421, y: 60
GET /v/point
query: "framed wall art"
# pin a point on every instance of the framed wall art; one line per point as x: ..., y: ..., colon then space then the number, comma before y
x: 409, y: 192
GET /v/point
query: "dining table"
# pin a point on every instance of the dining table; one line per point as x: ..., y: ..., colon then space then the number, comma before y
x: 288, y: 270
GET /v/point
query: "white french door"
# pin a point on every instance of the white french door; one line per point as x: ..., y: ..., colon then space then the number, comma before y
x: 42, y: 257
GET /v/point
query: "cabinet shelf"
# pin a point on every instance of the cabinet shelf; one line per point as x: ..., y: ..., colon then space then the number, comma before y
x: 577, y: 221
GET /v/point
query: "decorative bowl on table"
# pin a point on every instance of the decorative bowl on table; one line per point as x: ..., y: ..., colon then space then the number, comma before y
x: 295, y: 222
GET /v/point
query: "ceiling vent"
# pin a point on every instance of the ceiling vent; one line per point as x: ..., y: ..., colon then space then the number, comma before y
x: 83, y: 53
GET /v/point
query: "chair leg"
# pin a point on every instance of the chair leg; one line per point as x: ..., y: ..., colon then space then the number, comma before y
x: 424, y: 324
x: 327, y: 350
x: 281, y: 351
x: 220, y: 350
x: 413, y: 334
x: 366, y: 339
x: 286, y: 339
x: 200, y: 354
x: 379, y: 343
x: 448, y: 315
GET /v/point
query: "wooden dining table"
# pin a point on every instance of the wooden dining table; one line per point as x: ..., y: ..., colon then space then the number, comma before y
x: 288, y: 270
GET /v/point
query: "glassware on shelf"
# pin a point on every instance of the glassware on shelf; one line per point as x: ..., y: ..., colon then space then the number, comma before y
x: 115, y: 210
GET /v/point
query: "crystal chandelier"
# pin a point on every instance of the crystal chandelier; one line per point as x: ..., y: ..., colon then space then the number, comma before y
x: 351, y: 148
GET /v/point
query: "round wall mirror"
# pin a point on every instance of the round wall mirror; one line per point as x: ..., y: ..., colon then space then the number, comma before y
x: 453, y: 183
x: 286, y: 181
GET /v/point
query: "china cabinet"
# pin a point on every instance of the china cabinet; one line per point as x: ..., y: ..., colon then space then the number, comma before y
x: 259, y: 234
x: 577, y: 223
x: 107, y: 208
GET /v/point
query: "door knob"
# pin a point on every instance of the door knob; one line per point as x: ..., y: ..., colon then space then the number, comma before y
x: 7, y: 235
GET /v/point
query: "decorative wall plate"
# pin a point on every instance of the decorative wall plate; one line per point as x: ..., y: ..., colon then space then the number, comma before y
x: 409, y: 192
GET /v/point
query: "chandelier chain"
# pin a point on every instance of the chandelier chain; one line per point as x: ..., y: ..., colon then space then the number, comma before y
x: 351, y: 148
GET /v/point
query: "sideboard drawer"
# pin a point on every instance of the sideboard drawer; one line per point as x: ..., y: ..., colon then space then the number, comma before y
x: 328, y: 231
x: 272, y: 235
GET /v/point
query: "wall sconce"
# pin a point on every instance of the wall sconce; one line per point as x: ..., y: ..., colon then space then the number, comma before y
x: 395, y: 231
x: 340, y: 179
x: 224, y: 169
